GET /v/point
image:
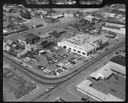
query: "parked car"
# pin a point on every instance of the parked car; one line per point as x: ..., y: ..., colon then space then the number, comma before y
x: 51, y: 61
x: 72, y: 62
x: 59, y: 71
x: 41, y: 67
x: 34, y: 60
x: 56, y: 47
x: 26, y: 59
x: 46, y: 70
x: 52, y: 73
x: 60, y: 64
x: 26, y: 65
x: 64, y: 68
x: 85, y: 60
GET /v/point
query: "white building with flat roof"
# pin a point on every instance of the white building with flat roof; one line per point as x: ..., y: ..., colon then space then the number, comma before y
x: 82, y: 44
x: 103, y: 73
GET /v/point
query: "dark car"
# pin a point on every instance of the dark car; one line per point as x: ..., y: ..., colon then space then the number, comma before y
x: 59, y: 70
x: 60, y: 56
x: 60, y: 100
x: 72, y: 62
x: 57, y: 58
x: 52, y: 73
x: 84, y: 100
x: 64, y: 67
x: 50, y: 61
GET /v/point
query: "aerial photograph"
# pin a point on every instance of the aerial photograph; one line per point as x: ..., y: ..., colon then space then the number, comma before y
x: 64, y: 54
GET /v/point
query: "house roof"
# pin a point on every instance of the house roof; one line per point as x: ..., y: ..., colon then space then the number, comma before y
x: 119, y: 60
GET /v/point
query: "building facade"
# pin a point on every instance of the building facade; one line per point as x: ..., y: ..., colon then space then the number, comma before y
x: 83, y: 44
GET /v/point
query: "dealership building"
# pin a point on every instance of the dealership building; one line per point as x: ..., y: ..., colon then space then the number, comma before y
x: 83, y: 44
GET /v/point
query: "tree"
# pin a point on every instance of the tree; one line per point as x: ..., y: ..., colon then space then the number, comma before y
x: 25, y: 14
x: 55, y: 35
x: 100, y: 44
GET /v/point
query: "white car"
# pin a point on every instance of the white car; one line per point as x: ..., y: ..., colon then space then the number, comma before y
x: 46, y: 70
x: 24, y: 64
x: 26, y: 59
x: 60, y: 64
x: 55, y: 47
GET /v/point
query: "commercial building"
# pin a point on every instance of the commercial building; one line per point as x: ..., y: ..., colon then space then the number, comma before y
x: 114, y: 25
x: 118, y: 64
x: 83, y: 44
x: 86, y: 88
x: 115, y: 29
x: 103, y: 73
x: 19, y: 55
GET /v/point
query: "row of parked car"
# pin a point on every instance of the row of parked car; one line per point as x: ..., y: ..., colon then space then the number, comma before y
x: 61, y: 68
x: 66, y: 64
x: 52, y: 57
x: 48, y: 71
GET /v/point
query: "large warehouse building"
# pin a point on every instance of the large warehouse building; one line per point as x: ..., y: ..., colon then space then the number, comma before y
x: 86, y: 88
x: 84, y: 44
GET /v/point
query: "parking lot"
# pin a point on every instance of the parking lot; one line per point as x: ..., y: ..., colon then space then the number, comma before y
x: 53, y: 61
